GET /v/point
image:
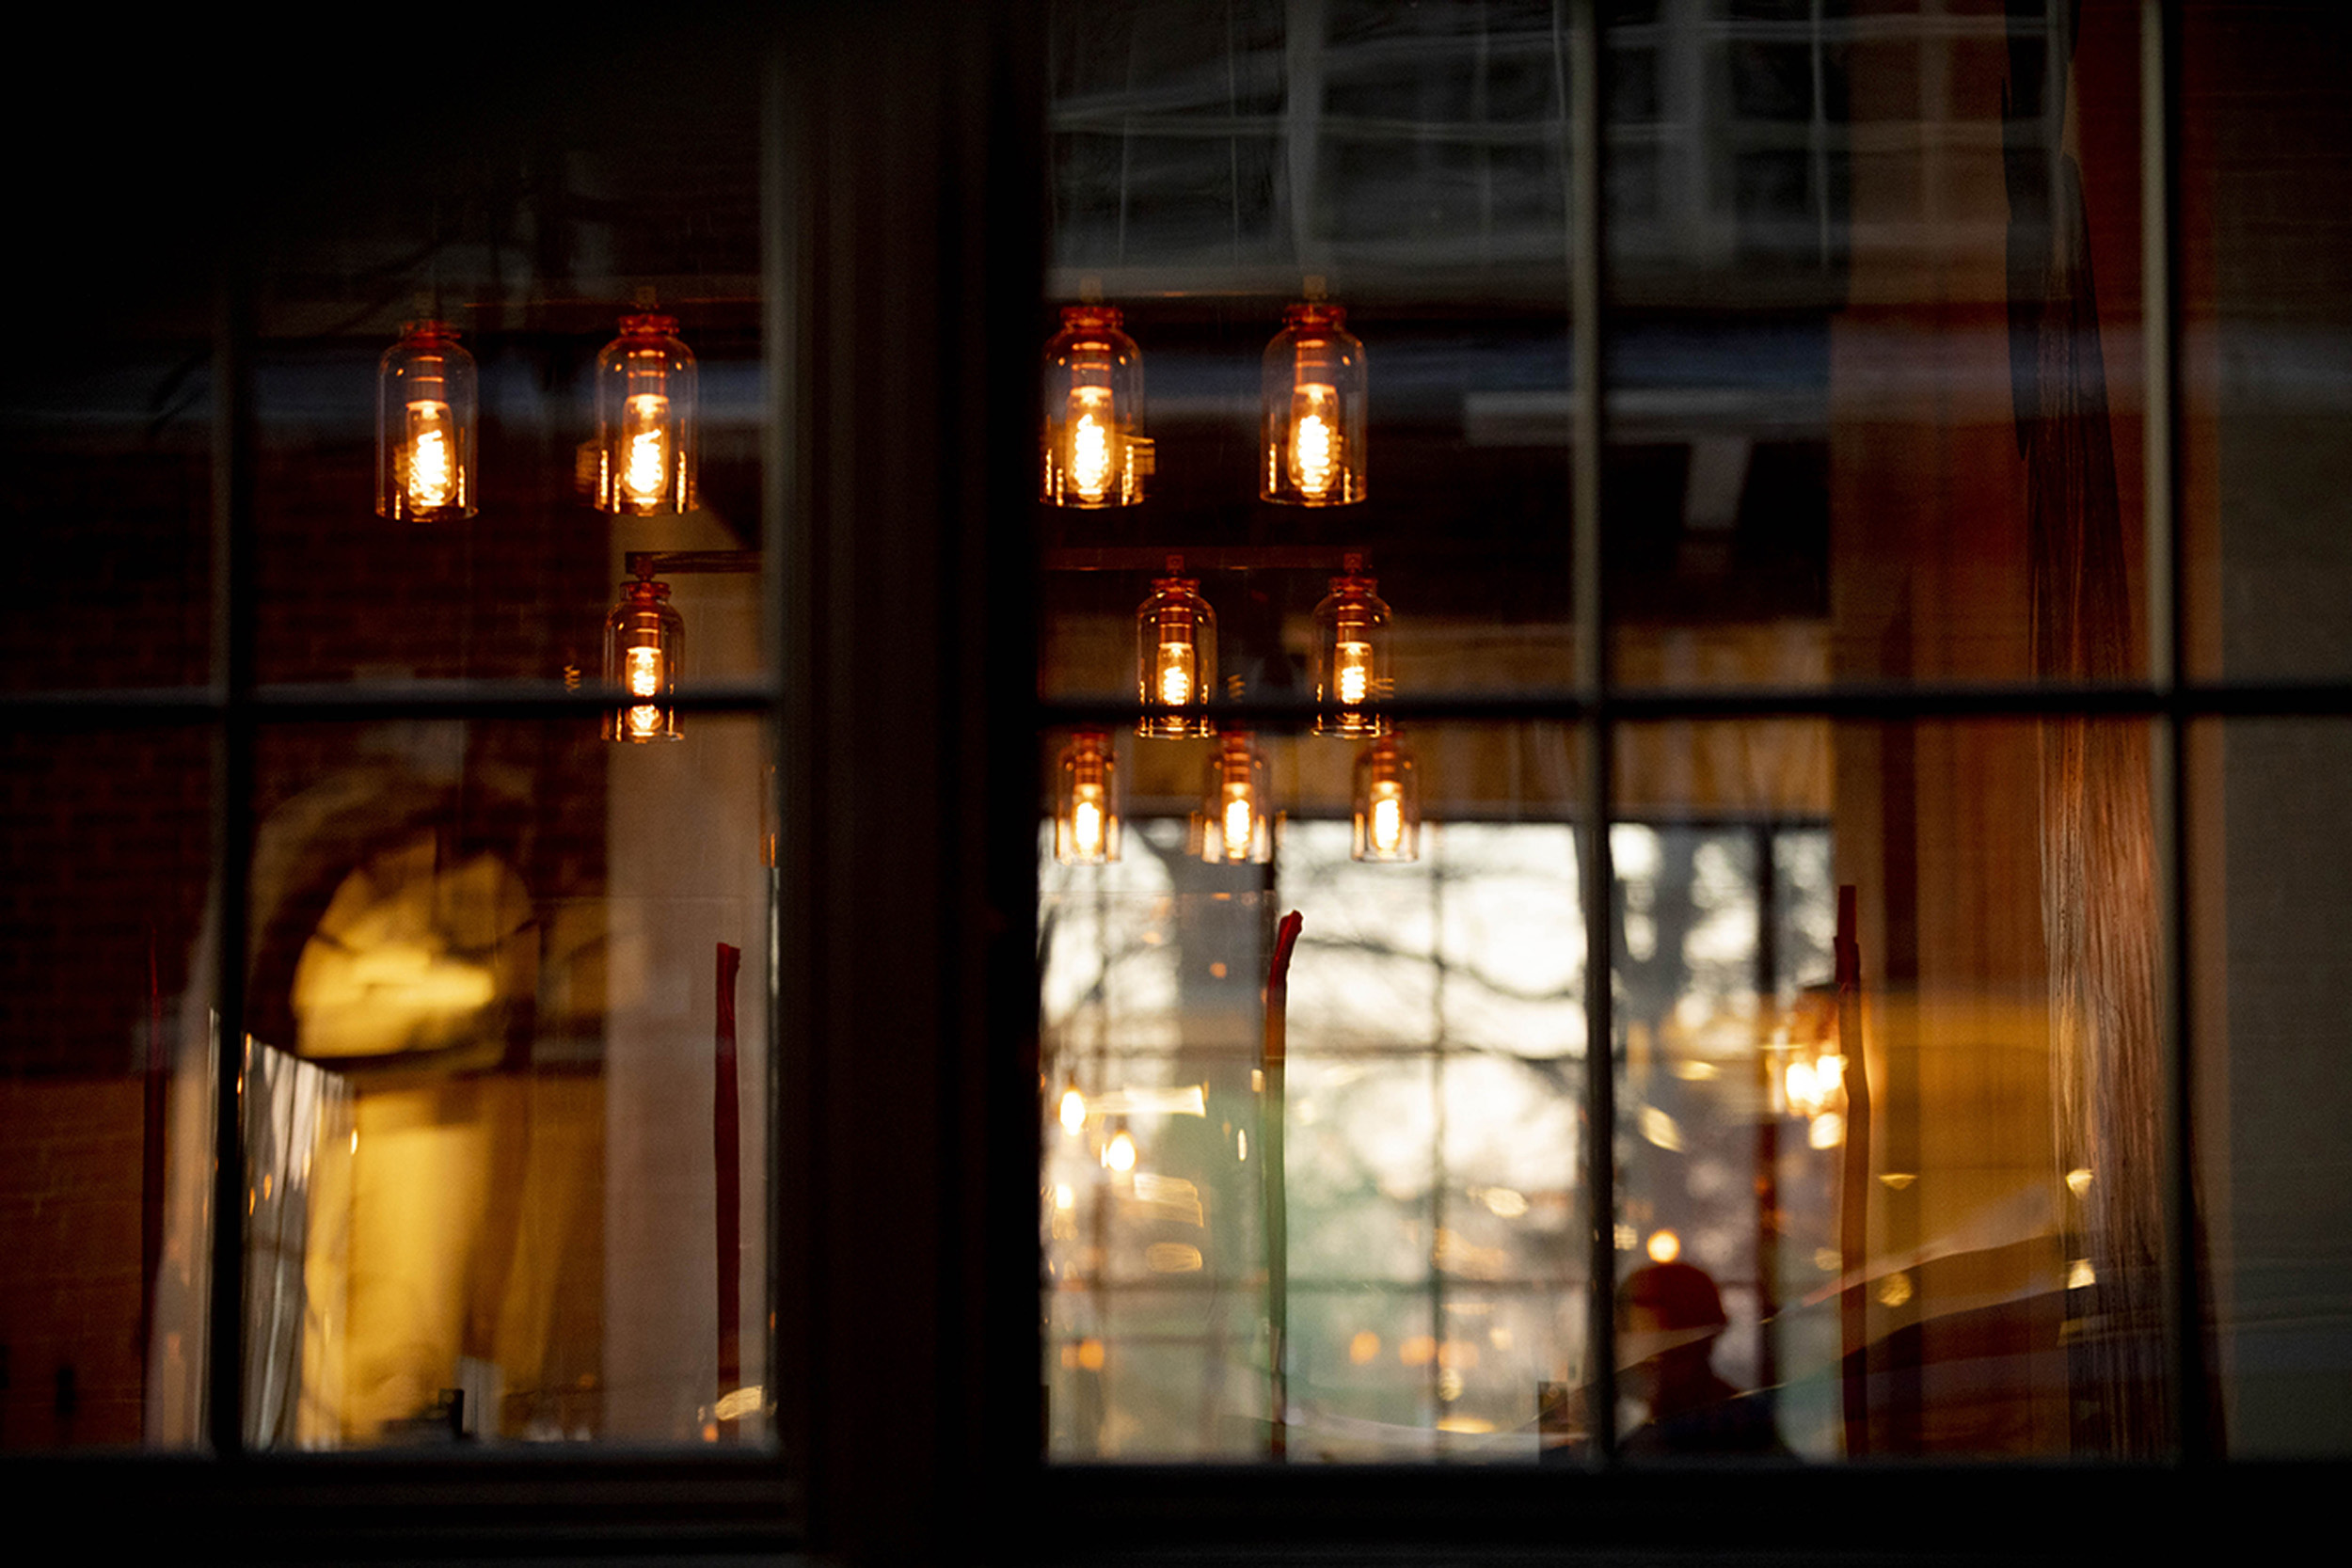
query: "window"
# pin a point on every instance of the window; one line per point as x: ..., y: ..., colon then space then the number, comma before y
x: 1855, y: 576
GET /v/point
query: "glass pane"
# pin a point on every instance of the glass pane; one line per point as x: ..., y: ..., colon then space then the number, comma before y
x: 1910, y: 1204
x: 2266, y: 279
x: 105, y: 1088
x: 1217, y: 165
x: 2274, y: 1083
x: 505, y: 1078
x: 1417, y: 1254
x: 106, y: 436
x: 460, y: 501
x: 1875, y: 347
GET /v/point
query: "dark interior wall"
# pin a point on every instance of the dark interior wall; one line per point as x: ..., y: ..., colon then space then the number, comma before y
x: 2268, y: 144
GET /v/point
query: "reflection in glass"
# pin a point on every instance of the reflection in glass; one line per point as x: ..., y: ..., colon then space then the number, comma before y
x: 1315, y: 409
x: 1086, y: 802
x: 646, y: 418
x: 1387, y: 814
x: 503, y: 1078
x: 1096, y: 453
x: 1175, y: 657
x: 426, y: 417
x: 644, y: 644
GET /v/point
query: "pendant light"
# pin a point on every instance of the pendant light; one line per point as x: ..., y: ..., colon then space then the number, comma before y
x: 1232, y: 827
x: 1313, y: 401
x: 1096, y: 453
x: 1386, y: 816
x: 1086, y: 802
x: 1351, y: 663
x: 644, y: 643
x: 646, y: 420
x: 1175, y: 657
x: 426, y: 413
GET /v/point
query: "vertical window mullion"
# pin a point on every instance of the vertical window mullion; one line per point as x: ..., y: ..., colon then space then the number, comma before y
x: 1585, y: 241
x: 2168, y: 642
x: 235, y: 623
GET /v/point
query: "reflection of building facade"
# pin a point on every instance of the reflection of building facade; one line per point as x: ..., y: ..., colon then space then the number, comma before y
x: 697, y: 1142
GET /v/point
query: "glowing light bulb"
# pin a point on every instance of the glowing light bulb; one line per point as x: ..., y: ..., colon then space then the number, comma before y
x: 1315, y: 455
x: 1073, y: 1111
x: 645, y: 672
x: 1313, y: 406
x: 1175, y: 657
x: 1237, y: 824
x: 644, y: 640
x: 1096, y: 453
x: 1121, y: 1154
x: 1232, y: 826
x: 432, y: 463
x: 1086, y: 814
x: 425, y: 419
x: 645, y: 470
x: 1351, y: 655
x: 1091, y: 457
x: 1355, y: 672
x: 1388, y: 817
x: 1176, y: 673
x: 646, y: 402
x: 1387, y: 814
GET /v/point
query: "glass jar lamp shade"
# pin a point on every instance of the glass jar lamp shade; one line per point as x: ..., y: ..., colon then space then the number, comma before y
x: 1351, y: 664
x: 1233, y: 826
x: 1095, y: 452
x: 427, y: 410
x: 1387, y: 812
x: 646, y: 421
x: 1086, y: 802
x: 1313, y: 401
x: 644, y: 645
x: 1175, y: 660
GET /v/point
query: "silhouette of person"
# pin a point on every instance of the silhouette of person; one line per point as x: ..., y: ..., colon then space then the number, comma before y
x: 1669, y: 1315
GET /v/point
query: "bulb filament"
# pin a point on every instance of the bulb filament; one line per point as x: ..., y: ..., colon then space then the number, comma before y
x: 645, y: 672
x: 432, y: 467
x: 1086, y: 823
x: 1176, y: 673
x: 1091, y: 461
x: 1237, y: 825
x: 1387, y: 819
x: 1315, y: 454
x: 645, y: 460
x: 1355, y: 672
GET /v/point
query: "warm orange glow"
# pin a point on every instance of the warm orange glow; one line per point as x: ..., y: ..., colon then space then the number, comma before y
x: 1073, y: 1111
x: 1314, y: 445
x: 1121, y: 1153
x: 432, y: 470
x: 1365, y: 1349
x: 1418, y: 1351
x: 1387, y: 816
x: 645, y: 672
x: 1664, y: 1247
x: 1085, y: 822
x: 1355, y: 672
x: 1175, y: 682
x: 1237, y: 822
x: 1092, y: 461
x: 646, y: 440
x: 1090, y: 1355
x: 1086, y: 814
x: 643, y: 723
